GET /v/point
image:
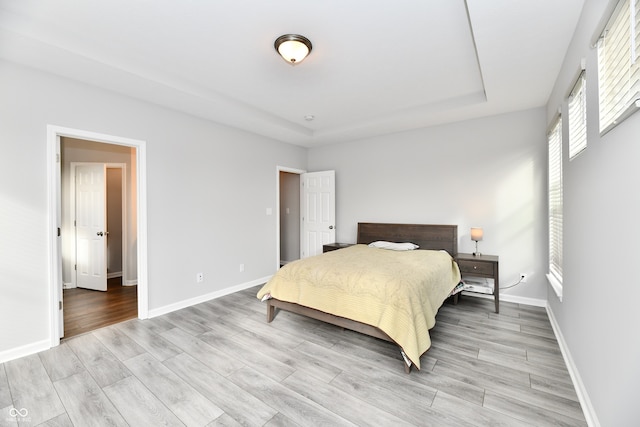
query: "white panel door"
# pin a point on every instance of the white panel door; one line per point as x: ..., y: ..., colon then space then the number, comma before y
x: 318, y: 198
x: 91, y: 236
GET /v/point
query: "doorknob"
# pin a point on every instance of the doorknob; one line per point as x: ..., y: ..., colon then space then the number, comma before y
x: 331, y: 227
x: 100, y: 233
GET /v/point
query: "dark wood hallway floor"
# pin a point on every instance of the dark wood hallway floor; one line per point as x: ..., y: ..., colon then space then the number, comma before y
x: 86, y: 310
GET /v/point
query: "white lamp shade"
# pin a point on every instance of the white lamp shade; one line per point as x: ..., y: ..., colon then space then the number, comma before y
x: 293, y: 51
x: 476, y: 233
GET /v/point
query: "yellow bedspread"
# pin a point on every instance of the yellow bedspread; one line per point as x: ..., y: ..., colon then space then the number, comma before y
x: 399, y: 292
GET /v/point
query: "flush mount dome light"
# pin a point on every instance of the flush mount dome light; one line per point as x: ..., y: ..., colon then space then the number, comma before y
x: 293, y: 47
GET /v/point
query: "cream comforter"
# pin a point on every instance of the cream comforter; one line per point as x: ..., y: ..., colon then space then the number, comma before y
x: 399, y: 292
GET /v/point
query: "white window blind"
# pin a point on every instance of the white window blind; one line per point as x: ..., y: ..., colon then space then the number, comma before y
x: 618, y: 65
x: 577, y: 118
x: 555, y: 199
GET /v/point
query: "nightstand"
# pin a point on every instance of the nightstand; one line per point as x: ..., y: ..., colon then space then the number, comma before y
x: 481, y: 266
x: 335, y: 246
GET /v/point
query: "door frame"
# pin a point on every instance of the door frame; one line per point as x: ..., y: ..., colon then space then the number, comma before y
x: 54, y: 133
x: 278, y: 170
x: 125, y: 218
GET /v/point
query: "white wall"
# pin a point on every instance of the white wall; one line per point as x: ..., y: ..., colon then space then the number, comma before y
x: 598, y: 315
x: 489, y: 173
x: 208, y: 188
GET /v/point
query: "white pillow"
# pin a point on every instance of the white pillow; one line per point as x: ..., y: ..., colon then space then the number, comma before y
x: 393, y: 246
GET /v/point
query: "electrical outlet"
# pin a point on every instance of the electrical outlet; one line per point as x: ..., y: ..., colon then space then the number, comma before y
x: 241, y: 268
x: 523, y: 277
x: 199, y: 277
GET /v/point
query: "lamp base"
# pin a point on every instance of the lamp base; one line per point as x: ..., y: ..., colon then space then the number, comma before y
x: 476, y: 253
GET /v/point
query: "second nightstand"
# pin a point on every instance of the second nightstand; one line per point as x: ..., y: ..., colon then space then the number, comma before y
x: 335, y: 246
x: 481, y: 266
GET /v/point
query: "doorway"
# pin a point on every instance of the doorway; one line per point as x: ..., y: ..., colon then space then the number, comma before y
x: 303, y: 235
x: 285, y: 227
x: 95, y: 239
x: 92, y: 147
x: 96, y: 224
x: 289, y: 217
x: 96, y: 215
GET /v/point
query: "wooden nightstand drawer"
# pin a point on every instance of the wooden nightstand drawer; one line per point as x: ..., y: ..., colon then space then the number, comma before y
x: 475, y: 267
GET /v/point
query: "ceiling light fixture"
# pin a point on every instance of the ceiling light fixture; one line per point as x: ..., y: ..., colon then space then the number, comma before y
x: 293, y: 47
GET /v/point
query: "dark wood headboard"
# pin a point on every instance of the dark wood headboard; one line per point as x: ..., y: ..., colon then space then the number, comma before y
x: 427, y: 236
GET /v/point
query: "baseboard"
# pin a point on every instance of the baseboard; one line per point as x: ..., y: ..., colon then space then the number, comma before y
x: 133, y: 282
x: 581, y: 391
x: 25, y: 350
x: 36, y: 347
x: 114, y: 274
x: 206, y: 297
x: 511, y: 298
x: 523, y: 300
x: 69, y: 285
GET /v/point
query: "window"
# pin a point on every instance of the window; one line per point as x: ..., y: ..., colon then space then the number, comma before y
x: 618, y: 65
x: 554, y: 139
x: 577, y: 118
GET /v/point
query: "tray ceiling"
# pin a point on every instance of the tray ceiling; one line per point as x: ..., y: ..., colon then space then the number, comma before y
x: 376, y: 67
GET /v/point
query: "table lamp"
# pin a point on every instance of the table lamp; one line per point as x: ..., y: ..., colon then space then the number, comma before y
x: 476, y: 236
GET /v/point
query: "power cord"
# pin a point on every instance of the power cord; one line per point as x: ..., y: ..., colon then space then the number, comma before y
x: 515, y: 284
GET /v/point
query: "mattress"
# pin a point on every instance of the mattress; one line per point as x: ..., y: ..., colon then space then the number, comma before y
x: 398, y: 292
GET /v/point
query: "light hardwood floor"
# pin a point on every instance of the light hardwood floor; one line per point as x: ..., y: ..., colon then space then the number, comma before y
x: 220, y: 364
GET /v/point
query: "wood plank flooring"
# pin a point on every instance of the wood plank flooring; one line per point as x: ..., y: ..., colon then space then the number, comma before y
x: 220, y: 364
x: 86, y: 310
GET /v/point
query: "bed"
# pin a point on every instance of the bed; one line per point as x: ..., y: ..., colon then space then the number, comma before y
x: 388, y: 294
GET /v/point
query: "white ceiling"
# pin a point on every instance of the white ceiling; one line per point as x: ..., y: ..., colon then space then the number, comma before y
x: 377, y: 67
